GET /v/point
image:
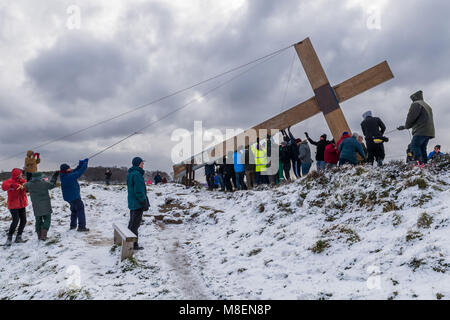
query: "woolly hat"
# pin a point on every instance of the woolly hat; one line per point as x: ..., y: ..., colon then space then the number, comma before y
x: 324, y: 136
x: 367, y: 114
x: 417, y: 96
x: 137, y: 161
x: 64, y: 167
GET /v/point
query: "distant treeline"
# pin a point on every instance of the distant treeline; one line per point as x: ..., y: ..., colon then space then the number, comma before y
x: 97, y: 174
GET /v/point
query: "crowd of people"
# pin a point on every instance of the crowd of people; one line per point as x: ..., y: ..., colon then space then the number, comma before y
x: 33, y: 183
x: 246, y: 167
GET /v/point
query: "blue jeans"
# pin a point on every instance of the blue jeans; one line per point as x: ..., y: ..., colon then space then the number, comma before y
x: 222, y: 184
x: 305, y: 168
x: 240, y: 184
x: 419, y: 148
x: 320, y: 166
x: 77, y: 209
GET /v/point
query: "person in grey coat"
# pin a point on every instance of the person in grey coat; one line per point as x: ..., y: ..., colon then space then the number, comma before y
x: 420, y: 119
x: 40, y: 198
x: 305, y: 157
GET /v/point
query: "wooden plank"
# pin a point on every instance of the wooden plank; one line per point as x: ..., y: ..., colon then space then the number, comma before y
x: 127, y: 250
x: 337, y: 123
x: 364, y: 81
x: 117, y: 238
x: 126, y: 234
x: 311, y: 63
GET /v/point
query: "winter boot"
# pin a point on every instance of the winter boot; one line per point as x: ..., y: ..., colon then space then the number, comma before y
x: 137, y: 247
x: 380, y: 163
x: 8, y: 241
x: 83, y: 230
x: 44, y: 235
x: 19, y: 239
x: 39, y: 234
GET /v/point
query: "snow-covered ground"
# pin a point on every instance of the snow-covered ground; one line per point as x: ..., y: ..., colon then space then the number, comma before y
x: 355, y: 233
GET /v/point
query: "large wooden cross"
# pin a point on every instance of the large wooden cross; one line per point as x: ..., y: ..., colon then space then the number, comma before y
x: 326, y: 101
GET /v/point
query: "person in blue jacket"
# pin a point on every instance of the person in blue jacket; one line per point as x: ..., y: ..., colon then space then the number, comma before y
x: 436, y: 154
x: 71, y: 193
x: 348, y: 149
x: 239, y: 169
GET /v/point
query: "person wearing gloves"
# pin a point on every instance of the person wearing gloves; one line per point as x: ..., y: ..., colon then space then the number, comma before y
x: 40, y: 198
x: 71, y: 193
x: 137, y: 197
x: 17, y: 202
x: 420, y: 119
x: 31, y: 161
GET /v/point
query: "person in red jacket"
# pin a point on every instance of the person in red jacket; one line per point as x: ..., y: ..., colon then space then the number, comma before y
x: 17, y: 202
x: 331, y: 155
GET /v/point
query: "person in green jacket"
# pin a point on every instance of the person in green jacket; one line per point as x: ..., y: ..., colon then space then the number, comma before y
x: 137, y: 197
x: 40, y: 198
x: 420, y: 119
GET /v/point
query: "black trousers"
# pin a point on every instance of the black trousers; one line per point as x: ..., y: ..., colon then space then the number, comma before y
x: 287, y: 170
x: 135, y: 222
x: 227, y: 180
x: 375, y: 151
x: 17, y: 215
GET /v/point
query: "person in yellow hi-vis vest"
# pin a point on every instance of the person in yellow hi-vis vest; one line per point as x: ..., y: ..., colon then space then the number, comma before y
x: 260, y: 155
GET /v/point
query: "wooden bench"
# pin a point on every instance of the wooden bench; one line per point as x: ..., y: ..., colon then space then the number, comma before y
x: 126, y: 238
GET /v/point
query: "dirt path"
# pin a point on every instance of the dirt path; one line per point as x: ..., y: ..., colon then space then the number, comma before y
x: 189, y: 281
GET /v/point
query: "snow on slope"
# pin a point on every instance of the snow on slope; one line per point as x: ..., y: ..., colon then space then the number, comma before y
x: 354, y: 233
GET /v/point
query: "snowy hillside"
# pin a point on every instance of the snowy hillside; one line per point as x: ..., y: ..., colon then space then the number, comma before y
x: 354, y: 233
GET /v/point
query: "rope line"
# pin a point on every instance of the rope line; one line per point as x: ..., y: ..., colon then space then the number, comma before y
x: 289, y: 81
x: 274, y: 53
x: 187, y: 104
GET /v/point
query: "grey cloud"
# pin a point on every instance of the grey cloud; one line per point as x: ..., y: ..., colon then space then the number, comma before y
x: 81, y: 67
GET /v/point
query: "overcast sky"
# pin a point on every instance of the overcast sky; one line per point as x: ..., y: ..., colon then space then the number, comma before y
x: 57, y: 78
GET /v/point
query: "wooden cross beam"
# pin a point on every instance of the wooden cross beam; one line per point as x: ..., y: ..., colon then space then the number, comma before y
x: 326, y: 100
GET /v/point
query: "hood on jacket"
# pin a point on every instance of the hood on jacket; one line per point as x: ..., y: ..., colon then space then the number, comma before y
x: 346, y: 135
x: 417, y: 96
x: 30, y: 153
x: 367, y: 114
x: 136, y: 168
x: 37, y: 176
x: 15, y: 173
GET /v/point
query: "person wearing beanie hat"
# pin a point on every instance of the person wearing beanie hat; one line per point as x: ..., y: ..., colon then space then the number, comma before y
x: 71, y: 193
x: 137, y: 197
x: 40, y: 198
x: 420, y: 120
x: 320, y: 152
x: 373, y: 129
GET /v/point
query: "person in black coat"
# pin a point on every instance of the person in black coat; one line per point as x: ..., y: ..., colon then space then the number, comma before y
x: 293, y: 150
x: 157, y: 178
x: 320, y: 153
x: 108, y: 175
x: 209, y: 174
x: 229, y: 172
x: 373, y: 129
x: 285, y: 159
